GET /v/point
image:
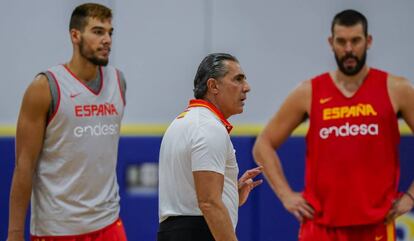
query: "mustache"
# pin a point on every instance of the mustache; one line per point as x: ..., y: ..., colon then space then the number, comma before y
x: 349, y: 56
x: 104, y: 48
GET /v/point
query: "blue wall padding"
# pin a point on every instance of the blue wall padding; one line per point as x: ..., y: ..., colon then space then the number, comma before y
x: 262, y: 218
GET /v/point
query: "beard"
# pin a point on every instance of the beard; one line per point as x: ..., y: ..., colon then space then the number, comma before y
x: 351, y: 71
x: 90, y: 56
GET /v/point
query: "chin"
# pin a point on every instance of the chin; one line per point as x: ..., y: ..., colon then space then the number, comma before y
x: 239, y: 111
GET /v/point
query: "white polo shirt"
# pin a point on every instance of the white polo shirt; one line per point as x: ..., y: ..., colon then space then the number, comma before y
x: 196, y: 140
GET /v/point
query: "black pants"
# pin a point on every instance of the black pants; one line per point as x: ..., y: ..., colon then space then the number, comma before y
x: 184, y: 228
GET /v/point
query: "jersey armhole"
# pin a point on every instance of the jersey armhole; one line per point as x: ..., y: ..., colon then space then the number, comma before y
x: 121, y: 85
x: 312, y: 100
x: 54, y: 88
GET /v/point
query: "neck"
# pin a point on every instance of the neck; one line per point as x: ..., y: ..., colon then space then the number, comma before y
x: 212, y: 100
x: 82, y: 68
x: 350, y: 84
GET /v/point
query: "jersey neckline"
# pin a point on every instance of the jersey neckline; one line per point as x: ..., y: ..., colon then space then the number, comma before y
x: 85, y: 85
x: 212, y: 108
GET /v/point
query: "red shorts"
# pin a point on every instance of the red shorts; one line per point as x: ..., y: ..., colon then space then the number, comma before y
x: 311, y: 231
x: 113, y: 232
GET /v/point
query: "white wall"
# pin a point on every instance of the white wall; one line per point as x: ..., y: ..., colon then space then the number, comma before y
x: 158, y: 44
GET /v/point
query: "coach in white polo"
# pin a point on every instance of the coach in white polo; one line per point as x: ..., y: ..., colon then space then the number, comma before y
x: 199, y: 193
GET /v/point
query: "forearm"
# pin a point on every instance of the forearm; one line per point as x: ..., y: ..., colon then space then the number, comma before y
x: 266, y: 156
x: 218, y: 220
x: 410, y: 192
x: 411, y: 189
x: 19, y: 200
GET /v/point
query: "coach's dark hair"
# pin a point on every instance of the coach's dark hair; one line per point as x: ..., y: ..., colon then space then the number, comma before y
x: 212, y: 66
x: 81, y: 13
x: 350, y: 18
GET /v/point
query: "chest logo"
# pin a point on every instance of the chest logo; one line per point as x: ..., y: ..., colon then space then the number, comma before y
x: 325, y: 100
x: 342, y: 112
x: 74, y: 95
x: 182, y: 114
x: 106, y: 109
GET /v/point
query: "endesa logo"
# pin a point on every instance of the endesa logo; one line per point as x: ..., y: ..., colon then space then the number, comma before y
x: 106, y: 109
x: 96, y: 130
x: 341, y: 112
x: 349, y: 130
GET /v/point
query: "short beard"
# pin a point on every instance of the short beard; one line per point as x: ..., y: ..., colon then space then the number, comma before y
x: 90, y: 57
x: 351, y: 71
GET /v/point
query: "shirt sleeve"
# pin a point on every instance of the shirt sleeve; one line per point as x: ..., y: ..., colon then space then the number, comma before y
x: 209, y: 148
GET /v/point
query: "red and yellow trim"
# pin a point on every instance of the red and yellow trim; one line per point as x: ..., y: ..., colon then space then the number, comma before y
x: 212, y: 108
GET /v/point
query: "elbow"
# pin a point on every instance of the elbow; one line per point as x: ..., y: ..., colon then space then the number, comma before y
x: 262, y: 150
x: 207, y: 205
x: 256, y: 151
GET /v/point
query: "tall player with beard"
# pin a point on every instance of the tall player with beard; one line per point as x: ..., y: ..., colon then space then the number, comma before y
x: 67, y: 141
x: 352, y: 165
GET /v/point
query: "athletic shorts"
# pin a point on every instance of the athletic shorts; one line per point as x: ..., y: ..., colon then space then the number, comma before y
x: 112, y: 232
x: 184, y: 228
x: 311, y: 231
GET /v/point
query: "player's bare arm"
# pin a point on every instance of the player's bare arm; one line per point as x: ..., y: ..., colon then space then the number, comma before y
x: 401, y: 93
x: 29, y: 139
x: 291, y: 113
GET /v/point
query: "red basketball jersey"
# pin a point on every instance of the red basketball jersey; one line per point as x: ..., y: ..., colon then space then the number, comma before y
x: 352, y: 165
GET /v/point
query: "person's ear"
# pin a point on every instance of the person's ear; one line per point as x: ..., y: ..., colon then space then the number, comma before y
x: 212, y: 85
x: 75, y: 35
x: 369, y: 41
x: 330, y: 41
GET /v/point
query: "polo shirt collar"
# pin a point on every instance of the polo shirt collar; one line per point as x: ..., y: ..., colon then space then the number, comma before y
x: 212, y: 108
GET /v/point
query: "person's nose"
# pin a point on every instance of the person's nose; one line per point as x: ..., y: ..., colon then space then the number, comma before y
x: 348, y: 47
x: 107, y: 39
x: 246, y: 87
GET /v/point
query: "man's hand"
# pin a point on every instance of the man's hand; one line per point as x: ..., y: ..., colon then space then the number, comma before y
x: 298, y: 206
x: 246, y: 183
x: 400, y: 206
